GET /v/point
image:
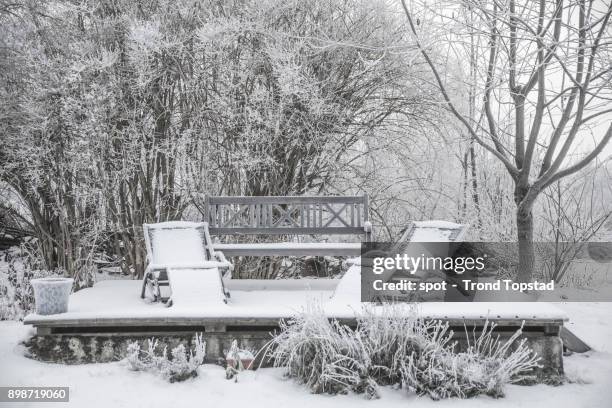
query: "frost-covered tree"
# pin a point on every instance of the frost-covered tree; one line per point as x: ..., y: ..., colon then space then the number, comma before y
x: 45, y: 147
x: 543, y: 80
x: 291, y: 86
x: 119, y: 113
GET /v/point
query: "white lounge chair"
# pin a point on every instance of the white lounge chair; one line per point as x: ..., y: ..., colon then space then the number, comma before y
x: 434, y: 231
x: 181, y: 255
x: 349, y: 287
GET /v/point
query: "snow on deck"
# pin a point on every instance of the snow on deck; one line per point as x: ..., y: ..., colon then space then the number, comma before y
x: 118, y: 299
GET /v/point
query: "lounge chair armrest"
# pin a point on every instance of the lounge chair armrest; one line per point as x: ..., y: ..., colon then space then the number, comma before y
x: 154, y: 268
x: 220, y: 256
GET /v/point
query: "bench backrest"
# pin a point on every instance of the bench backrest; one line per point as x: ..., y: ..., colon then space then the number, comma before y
x: 291, y: 215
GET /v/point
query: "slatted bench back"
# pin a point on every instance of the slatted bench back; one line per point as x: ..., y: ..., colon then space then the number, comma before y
x: 287, y: 215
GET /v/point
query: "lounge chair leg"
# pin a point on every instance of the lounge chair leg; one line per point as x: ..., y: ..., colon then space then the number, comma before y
x: 156, y: 290
x: 144, y: 287
x: 153, y: 286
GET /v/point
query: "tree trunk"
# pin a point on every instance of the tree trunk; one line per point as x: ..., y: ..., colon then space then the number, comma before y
x: 526, y: 252
x: 475, y: 195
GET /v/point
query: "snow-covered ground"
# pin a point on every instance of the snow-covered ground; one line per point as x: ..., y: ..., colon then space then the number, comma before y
x: 112, y: 384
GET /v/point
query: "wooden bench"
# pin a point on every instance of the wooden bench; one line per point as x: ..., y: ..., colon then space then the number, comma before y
x: 289, y: 215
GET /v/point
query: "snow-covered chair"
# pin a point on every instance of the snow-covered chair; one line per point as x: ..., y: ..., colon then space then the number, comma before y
x: 181, y: 256
x: 349, y: 288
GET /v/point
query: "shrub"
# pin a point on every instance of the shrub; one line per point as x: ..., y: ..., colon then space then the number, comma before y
x: 17, y: 268
x: 484, y: 368
x: 392, y: 333
x: 178, y: 367
x: 392, y: 346
x: 324, y: 355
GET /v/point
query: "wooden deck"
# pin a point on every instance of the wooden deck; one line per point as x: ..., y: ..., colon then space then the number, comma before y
x: 103, y: 320
x: 114, y: 307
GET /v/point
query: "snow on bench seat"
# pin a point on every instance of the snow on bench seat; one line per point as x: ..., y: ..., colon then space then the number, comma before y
x: 291, y: 249
x: 304, y: 284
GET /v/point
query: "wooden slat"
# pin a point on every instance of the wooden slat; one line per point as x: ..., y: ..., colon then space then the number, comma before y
x: 270, y: 215
x: 320, y: 214
x: 213, y: 216
x: 264, y: 215
x: 301, y: 207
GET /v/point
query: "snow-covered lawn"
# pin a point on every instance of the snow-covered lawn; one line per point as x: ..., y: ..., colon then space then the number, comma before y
x: 112, y: 384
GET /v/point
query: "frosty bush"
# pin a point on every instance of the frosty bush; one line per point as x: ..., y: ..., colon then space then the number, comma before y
x: 484, y: 368
x: 394, y: 347
x: 393, y: 333
x: 326, y: 356
x: 16, y: 294
x: 178, y: 367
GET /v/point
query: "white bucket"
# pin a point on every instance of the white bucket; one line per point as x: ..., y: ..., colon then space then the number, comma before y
x: 51, y: 295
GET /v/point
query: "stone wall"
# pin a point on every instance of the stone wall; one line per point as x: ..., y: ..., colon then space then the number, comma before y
x: 79, y: 349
